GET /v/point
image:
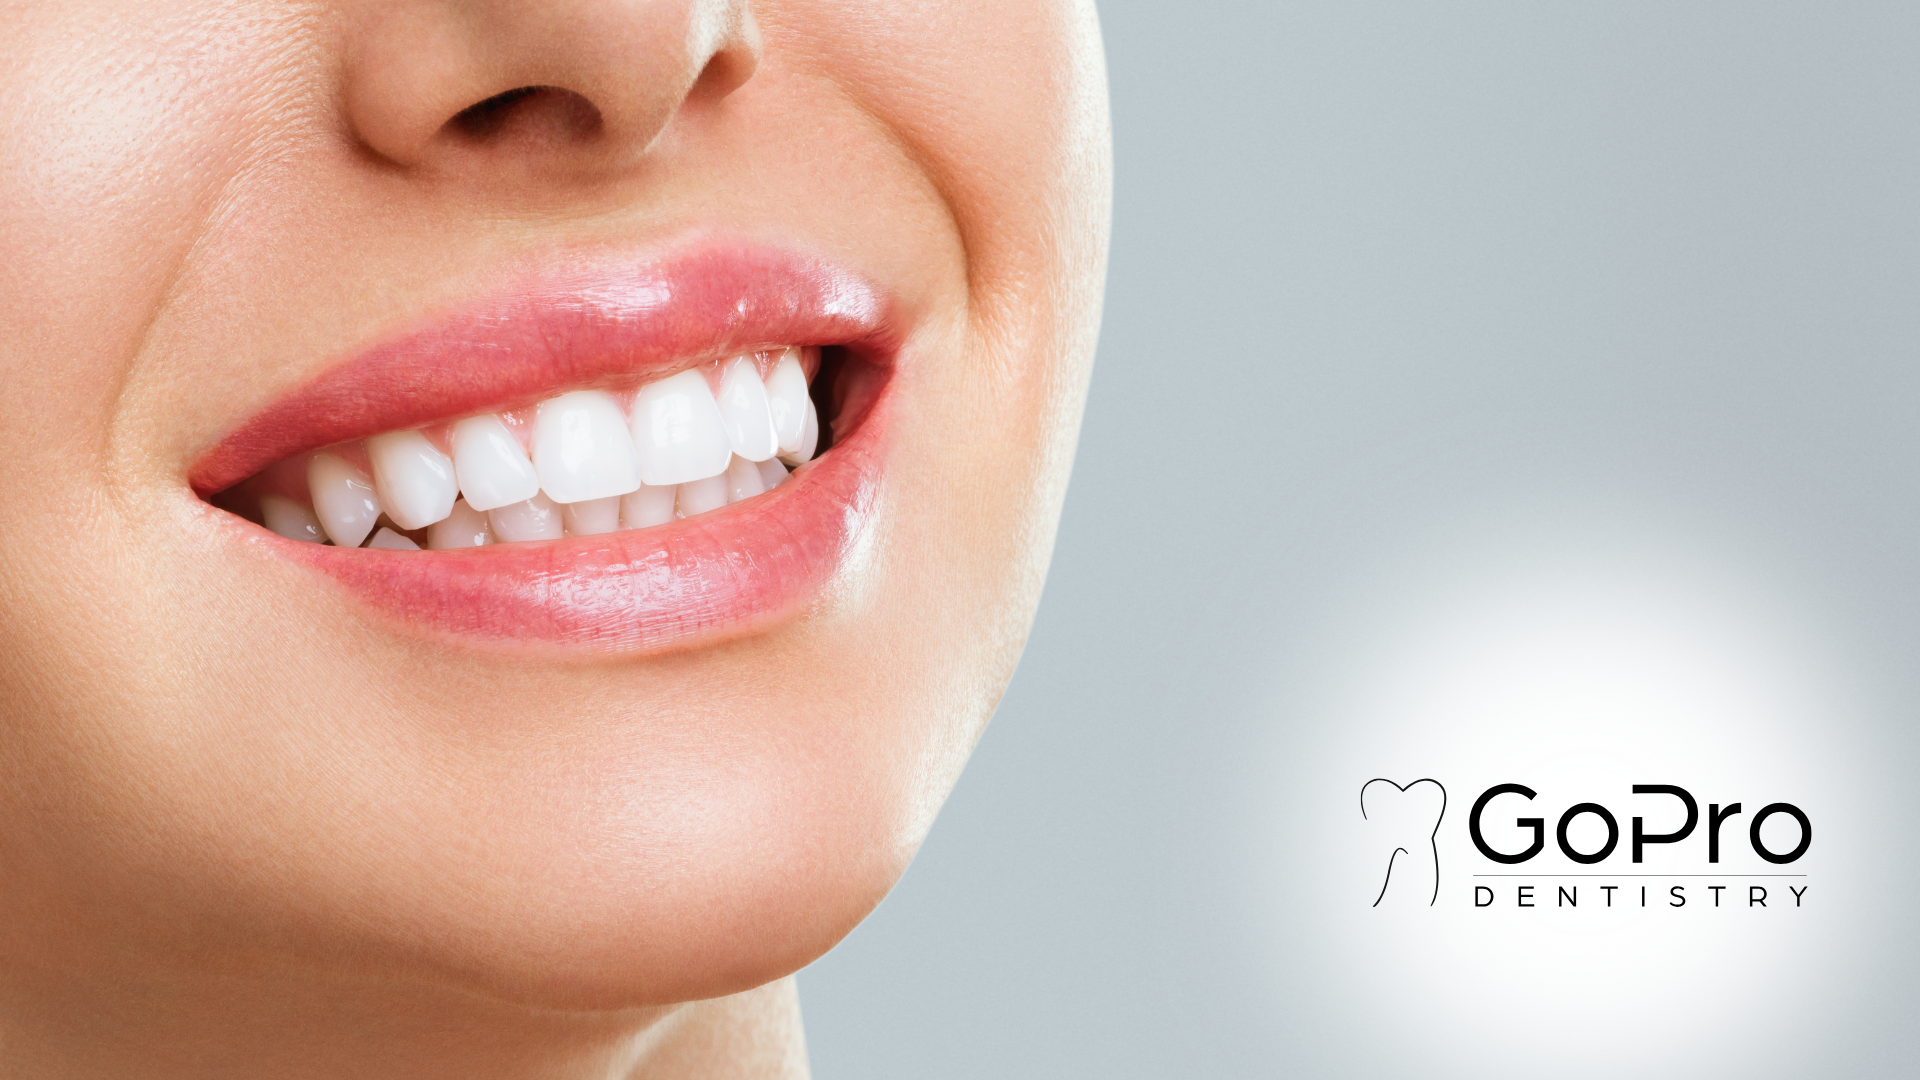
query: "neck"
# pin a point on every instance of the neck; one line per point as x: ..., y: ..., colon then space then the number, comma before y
x: 212, y: 1028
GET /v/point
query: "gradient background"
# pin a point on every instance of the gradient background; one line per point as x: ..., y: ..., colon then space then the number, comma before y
x: 1487, y: 391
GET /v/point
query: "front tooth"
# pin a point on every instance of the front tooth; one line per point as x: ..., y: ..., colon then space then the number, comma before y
x: 743, y: 480
x: 392, y: 541
x: 536, y: 519
x: 678, y: 431
x: 414, y: 479
x: 581, y: 448
x: 787, y: 400
x: 593, y: 517
x: 772, y: 473
x: 290, y: 519
x: 465, y: 527
x: 343, y: 499
x: 700, y: 496
x: 492, y: 469
x: 744, y: 409
x: 809, y: 440
x: 647, y: 507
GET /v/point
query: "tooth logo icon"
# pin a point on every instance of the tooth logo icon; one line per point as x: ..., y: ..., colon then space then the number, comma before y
x: 1402, y: 822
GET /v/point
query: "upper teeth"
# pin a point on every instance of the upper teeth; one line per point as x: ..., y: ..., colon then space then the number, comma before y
x: 678, y: 431
x: 747, y: 411
x: 491, y: 467
x: 413, y: 478
x: 590, y: 466
x: 581, y: 448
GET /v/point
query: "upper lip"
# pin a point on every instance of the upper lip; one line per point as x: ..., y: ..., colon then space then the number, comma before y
x: 594, y: 321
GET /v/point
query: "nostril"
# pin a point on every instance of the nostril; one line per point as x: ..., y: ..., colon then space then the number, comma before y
x: 552, y: 109
x: 484, y: 118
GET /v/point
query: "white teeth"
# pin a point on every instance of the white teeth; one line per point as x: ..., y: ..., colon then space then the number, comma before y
x: 743, y: 480
x: 647, y: 507
x: 787, y: 400
x: 392, y: 541
x: 593, y: 517
x: 465, y: 527
x: 809, y: 439
x: 536, y: 519
x: 414, y: 479
x: 772, y: 473
x: 678, y: 431
x: 581, y: 448
x: 700, y: 496
x: 290, y: 519
x: 492, y: 469
x: 343, y: 499
x: 589, y: 471
x: 745, y: 411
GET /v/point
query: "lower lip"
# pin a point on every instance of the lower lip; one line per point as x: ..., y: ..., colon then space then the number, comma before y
x: 698, y: 581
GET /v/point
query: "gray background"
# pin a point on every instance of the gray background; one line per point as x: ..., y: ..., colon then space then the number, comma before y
x: 1391, y: 280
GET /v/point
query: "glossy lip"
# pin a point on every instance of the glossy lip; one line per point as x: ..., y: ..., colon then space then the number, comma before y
x: 723, y: 574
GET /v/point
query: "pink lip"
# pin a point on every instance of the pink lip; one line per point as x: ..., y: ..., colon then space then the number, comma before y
x: 721, y: 574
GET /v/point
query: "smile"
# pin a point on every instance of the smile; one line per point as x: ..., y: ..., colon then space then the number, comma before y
x: 600, y: 457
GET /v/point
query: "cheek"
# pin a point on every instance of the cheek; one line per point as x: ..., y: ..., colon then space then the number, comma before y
x: 102, y: 195
x: 1003, y: 102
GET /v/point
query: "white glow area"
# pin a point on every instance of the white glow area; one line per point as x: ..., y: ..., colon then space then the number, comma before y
x: 1577, y: 669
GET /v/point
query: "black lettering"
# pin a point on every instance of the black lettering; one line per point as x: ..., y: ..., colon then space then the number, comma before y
x: 1643, y: 896
x: 1568, y: 901
x: 1715, y: 816
x: 1716, y: 893
x: 1538, y: 825
x: 1798, y: 893
x: 1608, y: 889
x: 1524, y: 896
x: 1642, y: 838
x: 1606, y: 849
x: 1756, y: 896
x: 1679, y: 897
x: 1477, y: 890
x: 1806, y: 832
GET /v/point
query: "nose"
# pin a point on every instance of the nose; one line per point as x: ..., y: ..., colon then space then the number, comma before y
x: 578, y: 81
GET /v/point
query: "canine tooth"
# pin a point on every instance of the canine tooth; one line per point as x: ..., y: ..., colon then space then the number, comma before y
x: 787, y: 400
x: 581, y: 448
x: 700, y: 496
x: 647, y: 507
x: 744, y: 409
x: 537, y: 518
x: 465, y: 527
x: 392, y: 541
x: 291, y: 520
x: 743, y: 479
x: 414, y: 479
x: 593, y: 517
x: 678, y: 432
x: 492, y: 468
x: 772, y: 473
x: 809, y: 439
x: 343, y: 499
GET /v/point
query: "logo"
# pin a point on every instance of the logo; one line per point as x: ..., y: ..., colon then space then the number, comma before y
x: 1404, y: 823
x: 1696, y: 857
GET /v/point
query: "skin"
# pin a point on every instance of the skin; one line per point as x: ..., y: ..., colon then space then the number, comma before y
x: 251, y: 829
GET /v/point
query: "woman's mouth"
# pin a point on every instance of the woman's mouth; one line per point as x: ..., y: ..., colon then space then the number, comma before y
x: 590, y: 460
